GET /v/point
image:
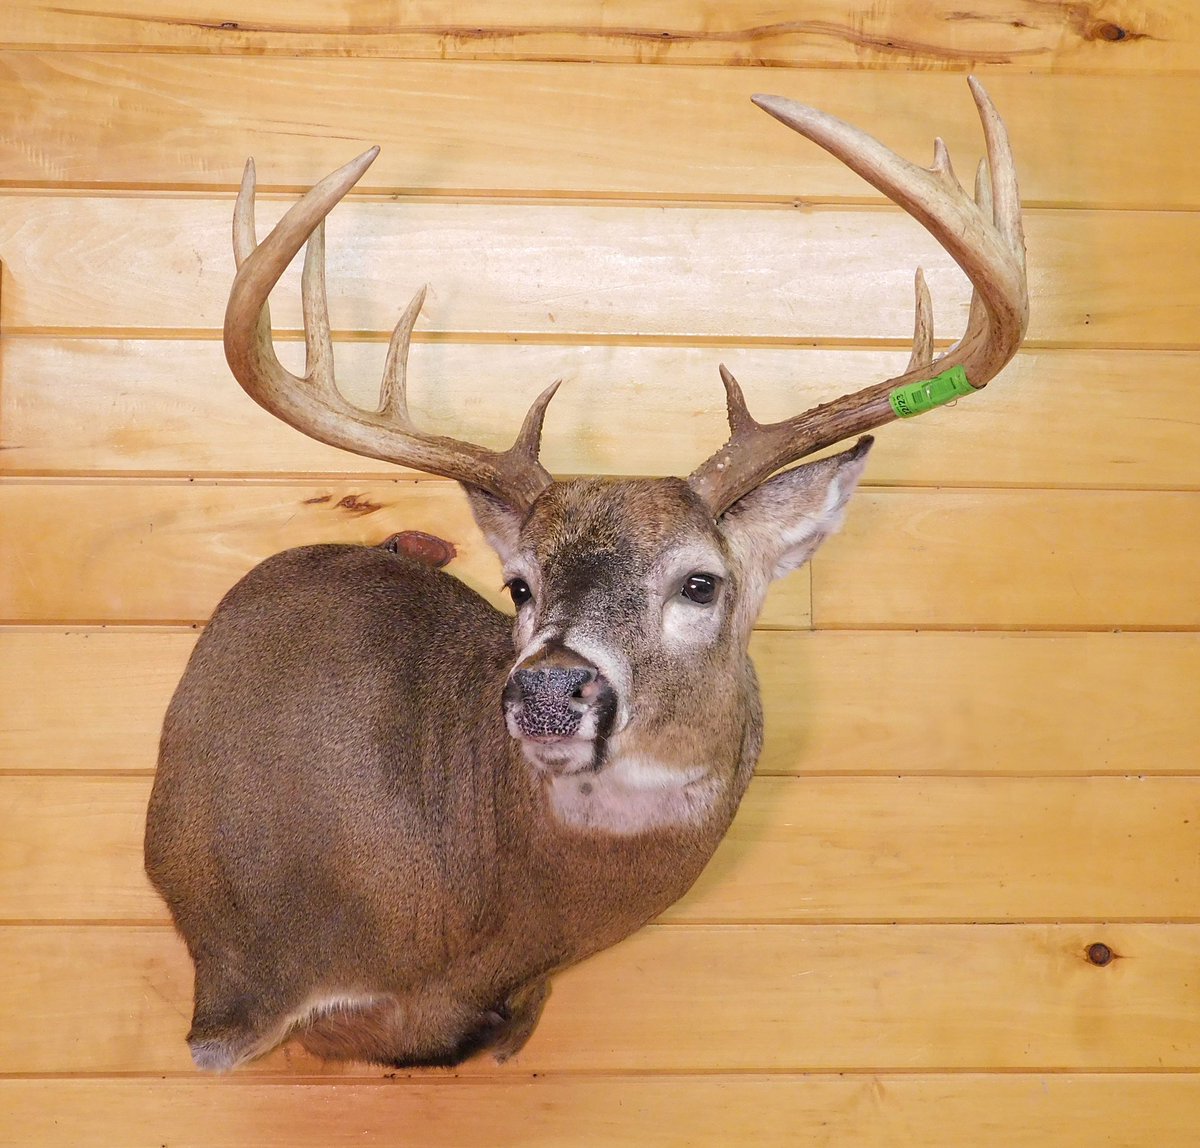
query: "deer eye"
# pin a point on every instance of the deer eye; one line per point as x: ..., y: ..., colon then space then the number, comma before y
x: 518, y: 588
x: 700, y: 588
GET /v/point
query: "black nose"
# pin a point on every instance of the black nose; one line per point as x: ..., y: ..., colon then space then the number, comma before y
x: 548, y: 702
x: 554, y: 683
x: 549, y: 695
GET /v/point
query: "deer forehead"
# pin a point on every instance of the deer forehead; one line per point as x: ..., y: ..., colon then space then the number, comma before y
x: 592, y: 528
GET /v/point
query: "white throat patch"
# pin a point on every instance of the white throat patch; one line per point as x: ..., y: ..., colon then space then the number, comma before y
x: 634, y: 794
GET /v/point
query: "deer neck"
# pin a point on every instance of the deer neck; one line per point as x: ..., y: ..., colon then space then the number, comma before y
x: 597, y: 865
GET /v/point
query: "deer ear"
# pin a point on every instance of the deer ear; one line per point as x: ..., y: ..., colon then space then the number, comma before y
x: 500, y: 523
x: 779, y: 524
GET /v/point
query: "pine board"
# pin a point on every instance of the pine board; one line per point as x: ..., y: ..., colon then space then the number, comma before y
x: 170, y: 407
x: 905, y: 702
x: 781, y: 998
x: 800, y: 850
x: 991, y: 704
x: 1055, y: 558
x: 632, y: 131
x: 126, y: 264
x: 825, y: 1111
x: 638, y: 225
x: 1117, y: 36
x: 167, y: 551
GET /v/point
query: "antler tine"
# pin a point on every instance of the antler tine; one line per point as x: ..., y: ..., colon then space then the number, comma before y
x: 318, y: 339
x: 741, y: 421
x: 922, y: 352
x: 393, y: 392
x: 985, y: 239
x: 244, y: 239
x: 313, y: 404
x: 1002, y: 168
x: 529, y: 439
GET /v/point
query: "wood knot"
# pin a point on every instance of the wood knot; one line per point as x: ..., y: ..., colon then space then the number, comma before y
x: 1111, y: 33
x: 358, y: 504
x: 422, y: 547
x: 1100, y: 954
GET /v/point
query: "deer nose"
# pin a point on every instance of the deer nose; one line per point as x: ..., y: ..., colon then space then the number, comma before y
x: 549, y: 698
x: 554, y: 682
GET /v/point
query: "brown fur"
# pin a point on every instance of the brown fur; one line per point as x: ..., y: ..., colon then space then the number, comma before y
x: 355, y: 849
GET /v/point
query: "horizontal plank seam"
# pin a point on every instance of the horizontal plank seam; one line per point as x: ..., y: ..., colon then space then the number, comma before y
x: 968, y: 627
x: 195, y: 476
x: 99, y: 628
x: 594, y: 50
x: 86, y: 773
x: 1099, y: 923
x: 399, y: 197
x: 965, y: 626
x: 825, y: 922
x: 252, y: 1078
x: 797, y: 341
x: 126, y: 629
x: 548, y: 198
x: 573, y: 341
x: 405, y: 478
x: 477, y: 1076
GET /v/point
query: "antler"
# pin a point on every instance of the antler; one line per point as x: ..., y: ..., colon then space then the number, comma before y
x: 313, y: 404
x: 986, y: 240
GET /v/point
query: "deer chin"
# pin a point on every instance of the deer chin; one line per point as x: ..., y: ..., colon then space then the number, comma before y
x: 559, y: 733
x: 562, y: 756
x: 573, y: 745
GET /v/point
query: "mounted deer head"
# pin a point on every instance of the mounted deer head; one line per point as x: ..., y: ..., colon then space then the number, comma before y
x: 385, y: 814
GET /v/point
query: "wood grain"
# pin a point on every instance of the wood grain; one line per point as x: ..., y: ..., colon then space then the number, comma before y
x: 869, y: 960
x: 875, y: 1111
x: 800, y: 850
x: 166, y: 552
x: 1116, y: 36
x: 1002, y: 703
x: 182, y: 545
x: 982, y: 703
x: 779, y: 998
x: 617, y: 131
x: 86, y: 700
x: 161, y: 407
x: 1061, y: 558
x: 123, y: 264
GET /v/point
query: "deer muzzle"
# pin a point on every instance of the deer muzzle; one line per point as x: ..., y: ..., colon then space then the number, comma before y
x: 561, y: 709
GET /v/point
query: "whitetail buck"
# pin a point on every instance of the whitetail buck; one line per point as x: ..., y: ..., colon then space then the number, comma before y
x: 385, y: 813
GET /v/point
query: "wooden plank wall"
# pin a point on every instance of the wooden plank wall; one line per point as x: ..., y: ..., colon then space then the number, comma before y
x: 982, y: 702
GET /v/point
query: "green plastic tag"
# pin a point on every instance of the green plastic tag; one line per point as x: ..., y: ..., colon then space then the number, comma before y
x: 917, y: 398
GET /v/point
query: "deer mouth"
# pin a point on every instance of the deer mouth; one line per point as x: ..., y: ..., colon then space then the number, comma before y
x: 562, y: 716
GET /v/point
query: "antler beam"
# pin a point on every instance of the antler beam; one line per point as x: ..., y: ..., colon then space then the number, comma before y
x: 983, y: 236
x: 313, y: 403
